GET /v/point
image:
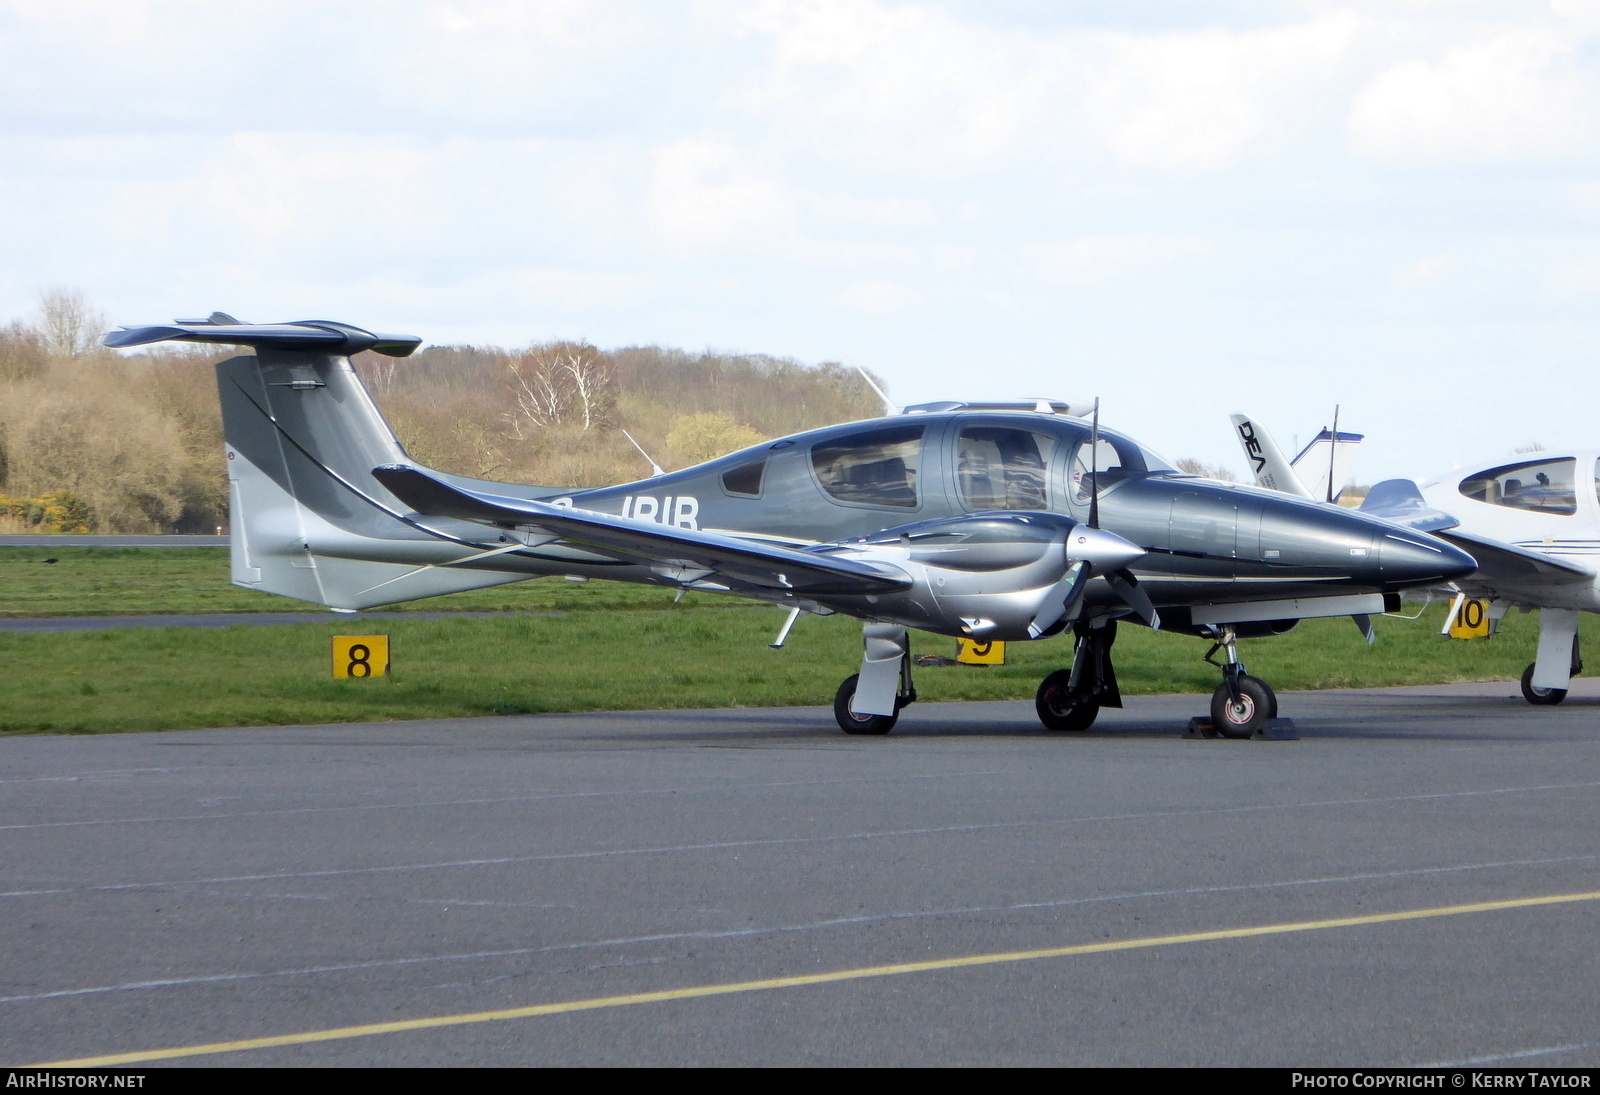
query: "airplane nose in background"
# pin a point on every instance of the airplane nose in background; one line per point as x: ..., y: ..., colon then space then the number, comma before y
x: 1406, y: 560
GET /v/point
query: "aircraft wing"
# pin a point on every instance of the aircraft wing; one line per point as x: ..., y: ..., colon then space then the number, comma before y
x: 1511, y: 563
x: 686, y: 555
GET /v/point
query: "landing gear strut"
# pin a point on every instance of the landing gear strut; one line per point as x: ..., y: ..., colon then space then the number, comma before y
x: 869, y: 702
x: 1242, y: 704
x: 1070, y: 699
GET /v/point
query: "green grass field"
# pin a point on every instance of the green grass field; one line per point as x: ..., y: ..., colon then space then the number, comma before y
x: 615, y: 648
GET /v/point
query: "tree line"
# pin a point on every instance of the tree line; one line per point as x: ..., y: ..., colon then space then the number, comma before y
x: 92, y: 440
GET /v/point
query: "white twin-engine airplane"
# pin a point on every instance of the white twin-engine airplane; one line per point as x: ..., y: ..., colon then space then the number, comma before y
x: 1531, y: 520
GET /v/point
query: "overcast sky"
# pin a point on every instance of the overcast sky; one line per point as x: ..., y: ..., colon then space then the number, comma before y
x: 1184, y: 208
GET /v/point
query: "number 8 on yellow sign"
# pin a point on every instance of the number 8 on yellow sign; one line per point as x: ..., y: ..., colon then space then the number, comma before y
x: 360, y: 656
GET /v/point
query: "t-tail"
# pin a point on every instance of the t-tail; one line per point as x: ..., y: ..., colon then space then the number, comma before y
x: 302, y: 435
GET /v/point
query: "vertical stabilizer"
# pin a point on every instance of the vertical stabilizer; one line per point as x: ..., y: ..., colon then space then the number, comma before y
x: 1266, y: 460
x: 1324, y: 465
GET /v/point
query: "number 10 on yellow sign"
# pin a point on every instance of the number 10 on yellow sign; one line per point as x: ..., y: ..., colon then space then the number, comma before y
x: 360, y: 655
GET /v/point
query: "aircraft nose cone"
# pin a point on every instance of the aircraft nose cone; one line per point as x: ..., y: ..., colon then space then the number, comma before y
x: 1421, y: 560
x: 1101, y: 549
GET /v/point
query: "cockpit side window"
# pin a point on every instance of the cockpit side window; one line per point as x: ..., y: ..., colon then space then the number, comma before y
x: 876, y: 467
x: 745, y: 479
x: 1539, y: 486
x: 1111, y: 460
x: 1002, y: 468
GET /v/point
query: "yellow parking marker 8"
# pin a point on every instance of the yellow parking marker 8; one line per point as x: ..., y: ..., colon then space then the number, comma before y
x: 360, y: 656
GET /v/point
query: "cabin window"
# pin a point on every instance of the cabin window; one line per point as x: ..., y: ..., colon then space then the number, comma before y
x: 1539, y: 486
x: 876, y: 468
x: 745, y: 479
x: 1110, y: 460
x: 1002, y: 468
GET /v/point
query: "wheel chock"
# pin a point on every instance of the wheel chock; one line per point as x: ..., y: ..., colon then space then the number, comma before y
x: 1271, y: 730
x: 1276, y: 730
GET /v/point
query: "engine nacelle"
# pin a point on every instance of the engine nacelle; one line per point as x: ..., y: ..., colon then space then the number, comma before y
x: 1007, y: 576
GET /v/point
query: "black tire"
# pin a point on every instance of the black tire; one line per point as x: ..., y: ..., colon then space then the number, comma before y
x: 1244, y: 718
x: 852, y: 723
x: 1272, y: 697
x: 1056, y: 712
x: 1541, y: 697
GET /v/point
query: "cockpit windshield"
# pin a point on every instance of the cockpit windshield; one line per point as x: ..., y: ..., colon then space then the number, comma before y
x: 1108, y: 461
x: 1540, y: 486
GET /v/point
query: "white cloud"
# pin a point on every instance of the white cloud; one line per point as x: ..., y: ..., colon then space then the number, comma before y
x: 703, y: 194
x: 878, y: 298
x: 1189, y: 103
x: 1423, y: 270
x: 1511, y: 94
x: 1090, y: 260
x: 892, y: 87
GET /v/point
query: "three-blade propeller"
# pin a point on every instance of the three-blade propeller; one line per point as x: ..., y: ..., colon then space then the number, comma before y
x: 1094, y: 551
x: 1090, y: 551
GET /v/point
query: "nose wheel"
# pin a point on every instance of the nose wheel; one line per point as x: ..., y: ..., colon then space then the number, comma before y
x: 1242, y: 704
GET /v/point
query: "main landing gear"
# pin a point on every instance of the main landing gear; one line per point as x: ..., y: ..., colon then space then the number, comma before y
x: 869, y: 702
x: 1070, y: 699
x: 1242, y: 704
x: 1550, y: 696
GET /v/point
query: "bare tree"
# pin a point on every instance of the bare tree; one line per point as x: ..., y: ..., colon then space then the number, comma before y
x: 559, y: 383
x: 1208, y: 471
x: 70, y: 326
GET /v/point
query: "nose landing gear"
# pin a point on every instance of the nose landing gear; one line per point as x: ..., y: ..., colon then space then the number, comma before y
x: 1242, y: 704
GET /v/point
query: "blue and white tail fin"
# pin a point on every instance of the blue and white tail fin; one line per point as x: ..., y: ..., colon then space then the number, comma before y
x: 1325, y: 462
x: 302, y: 436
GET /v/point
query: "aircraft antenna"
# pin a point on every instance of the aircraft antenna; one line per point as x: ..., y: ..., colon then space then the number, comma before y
x: 888, y: 404
x: 1333, y: 452
x: 655, y: 469
x: 1094, y: 467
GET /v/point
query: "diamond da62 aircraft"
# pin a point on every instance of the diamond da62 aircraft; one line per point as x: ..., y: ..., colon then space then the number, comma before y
x: 988, y: 521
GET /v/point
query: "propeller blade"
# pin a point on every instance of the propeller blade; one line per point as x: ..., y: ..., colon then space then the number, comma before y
x: 1094, y: 468
x: 1063, y: 601
x: 1127, y: 587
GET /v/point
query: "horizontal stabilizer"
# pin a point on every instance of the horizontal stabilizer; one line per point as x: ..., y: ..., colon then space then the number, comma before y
x: 318, y: 335
x: 746, y: 563
x: 1400, y: 501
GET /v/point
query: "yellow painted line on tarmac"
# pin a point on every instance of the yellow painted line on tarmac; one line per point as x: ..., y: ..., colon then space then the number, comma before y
x: 334, y: 1034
